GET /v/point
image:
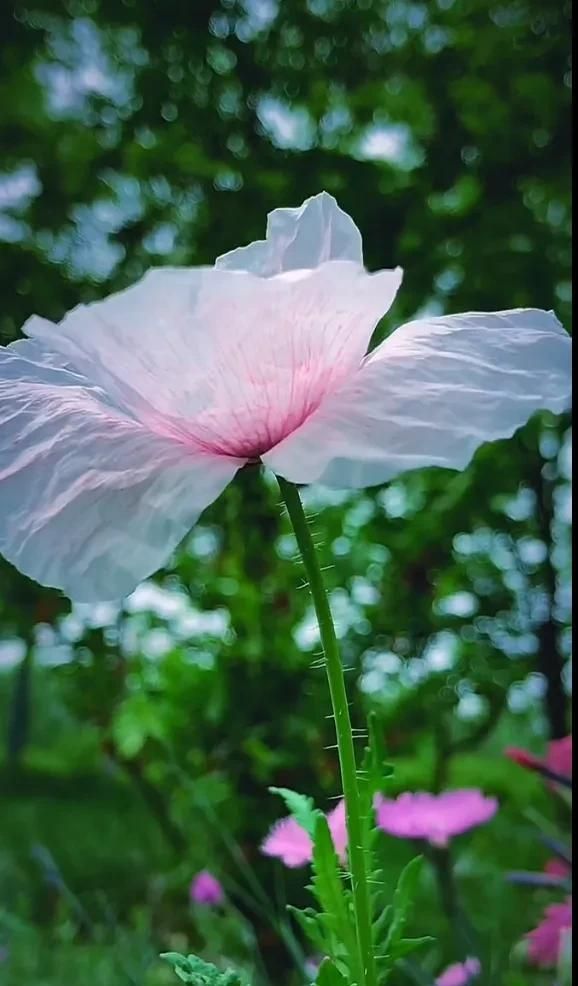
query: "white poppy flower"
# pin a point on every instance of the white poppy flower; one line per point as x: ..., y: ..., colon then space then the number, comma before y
x: 119, y: 425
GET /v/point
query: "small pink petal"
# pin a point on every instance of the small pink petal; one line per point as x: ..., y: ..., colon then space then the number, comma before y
x: 559, y: 756
x: 523, y: 758
x: 434, y: 817
x: 206, y: 890
x: 460, y: 973
x: 337, y: 822
x: 545, y: 941
x: 557, y: 867
x: 289, y: 842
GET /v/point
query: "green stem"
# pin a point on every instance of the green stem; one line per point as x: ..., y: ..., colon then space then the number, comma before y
x: 345, y: 746
x: 464, y: 935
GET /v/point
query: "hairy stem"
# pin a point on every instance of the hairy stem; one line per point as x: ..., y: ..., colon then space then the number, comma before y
x: 345, y: 746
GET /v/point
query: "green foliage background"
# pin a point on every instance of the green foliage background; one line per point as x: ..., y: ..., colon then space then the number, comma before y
x: 139, y: 743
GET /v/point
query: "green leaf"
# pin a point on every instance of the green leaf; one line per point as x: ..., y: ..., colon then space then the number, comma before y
x: 408, y: 945
x: 381, y: 923
x: 376, y: 748
x: 565, y: 960
x: 327, y: 883
x: 331, y: 931
x: 136, y: 720
x: 311, y: 927
x: 191, y: 969
x: 329, y: 975
x: 301, y: 807
x: 375, y: 772
x: 403, y: 899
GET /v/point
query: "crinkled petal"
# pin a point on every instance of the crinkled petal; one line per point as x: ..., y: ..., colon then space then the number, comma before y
x: 223, y: 358
x: 91, y: 502
x: 301, y: 238
x: 433, y: 392
x: 147, y: 346
x: 289, y: 842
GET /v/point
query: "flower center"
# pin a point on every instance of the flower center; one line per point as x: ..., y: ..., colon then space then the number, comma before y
x: 264, y: 408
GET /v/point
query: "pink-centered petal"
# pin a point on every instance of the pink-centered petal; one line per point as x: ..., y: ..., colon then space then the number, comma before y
x: 224, y: 361
x: 433, y: 392
x: 91, y: 501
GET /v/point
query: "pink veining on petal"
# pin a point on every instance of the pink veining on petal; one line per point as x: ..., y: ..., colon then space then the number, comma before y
x: 293, y: 341
x: 253, y: 405
x: 434, y: 817
x: 272, y: 402
x: 545, y: 941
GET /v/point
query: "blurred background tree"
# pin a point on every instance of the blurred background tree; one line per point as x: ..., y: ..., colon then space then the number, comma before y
x: 140, y: 739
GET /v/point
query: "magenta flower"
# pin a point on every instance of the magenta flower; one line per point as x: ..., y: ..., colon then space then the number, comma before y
x: 120, y: 424
x: 523, y: 758
x: 460, y: 973
x: 558, y: 868
x: 434, y: 817
x: 290, y: 843
x: 545, y: 942
x: 557, y: 764
x: 559, y: 756
x: 206, y: 890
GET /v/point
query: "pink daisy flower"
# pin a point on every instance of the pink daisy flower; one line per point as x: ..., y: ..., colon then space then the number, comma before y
x: 437, y: 818
x: 123, y: 422
x: 460, y: 973
x: 206, y: 890
x: 545, y: 942
x: 290, y: 843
